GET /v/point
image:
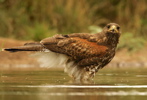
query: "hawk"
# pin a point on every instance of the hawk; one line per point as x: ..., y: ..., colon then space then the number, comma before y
x: 81, y: 54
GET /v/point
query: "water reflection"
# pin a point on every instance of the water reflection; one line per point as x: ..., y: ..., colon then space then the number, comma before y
x: 129, y: 84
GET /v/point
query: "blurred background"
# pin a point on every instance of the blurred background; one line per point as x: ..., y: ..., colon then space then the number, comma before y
x: 35, y: 20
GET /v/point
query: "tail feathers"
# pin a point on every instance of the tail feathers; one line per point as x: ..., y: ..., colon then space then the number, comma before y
x: 27, y: 47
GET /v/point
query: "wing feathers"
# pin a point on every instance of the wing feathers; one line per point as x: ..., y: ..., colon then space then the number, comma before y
x: 32, y: 43
x: 75, y: 47
x: 27, y: 47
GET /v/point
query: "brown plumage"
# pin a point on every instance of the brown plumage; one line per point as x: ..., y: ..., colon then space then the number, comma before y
x: 82, y: 54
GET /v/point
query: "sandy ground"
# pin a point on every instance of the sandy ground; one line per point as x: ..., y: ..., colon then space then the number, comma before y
x: 23, y: 60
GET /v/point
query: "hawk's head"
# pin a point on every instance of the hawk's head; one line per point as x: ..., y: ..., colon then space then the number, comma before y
x: 112, y: 28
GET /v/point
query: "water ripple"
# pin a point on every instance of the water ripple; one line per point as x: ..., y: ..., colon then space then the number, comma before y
x: 82, y: 86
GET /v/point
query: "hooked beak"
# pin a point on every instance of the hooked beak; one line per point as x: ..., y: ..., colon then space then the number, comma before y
x: 113, y: 29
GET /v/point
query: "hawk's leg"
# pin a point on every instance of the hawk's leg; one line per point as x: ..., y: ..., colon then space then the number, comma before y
x: 89, y: 72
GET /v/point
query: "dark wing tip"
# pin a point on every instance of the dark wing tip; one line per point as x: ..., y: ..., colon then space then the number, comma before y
x: 10, y: 49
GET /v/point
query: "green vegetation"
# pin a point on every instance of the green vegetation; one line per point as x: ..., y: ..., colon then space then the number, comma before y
x: 132, y: 43
x: 1, y: 46
x: 35, y: 19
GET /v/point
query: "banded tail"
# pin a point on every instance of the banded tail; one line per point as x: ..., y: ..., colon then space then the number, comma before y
x: 27, y: 47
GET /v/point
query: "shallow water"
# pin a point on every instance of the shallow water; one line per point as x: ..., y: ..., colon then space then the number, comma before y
x: 46, y: 84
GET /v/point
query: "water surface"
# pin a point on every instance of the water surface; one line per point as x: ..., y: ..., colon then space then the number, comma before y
x: 46, y: 84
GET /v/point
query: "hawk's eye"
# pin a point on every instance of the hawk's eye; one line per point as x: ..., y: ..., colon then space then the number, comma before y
x: 108, y: 26
x: 118, y: 28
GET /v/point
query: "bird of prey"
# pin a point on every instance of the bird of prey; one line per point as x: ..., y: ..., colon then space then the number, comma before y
x: 81, y: 54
